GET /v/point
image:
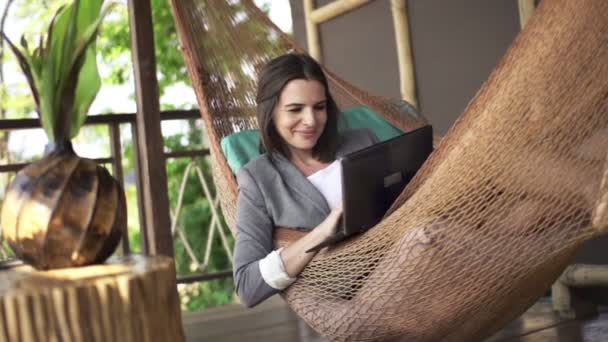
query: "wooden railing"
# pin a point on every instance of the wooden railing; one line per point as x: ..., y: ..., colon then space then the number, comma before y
x: 113, y: 122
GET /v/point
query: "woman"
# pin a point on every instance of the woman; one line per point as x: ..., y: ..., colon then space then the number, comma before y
x: 295, y: 182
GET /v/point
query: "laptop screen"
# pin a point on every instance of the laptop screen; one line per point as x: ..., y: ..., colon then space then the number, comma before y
x: 374, y: 177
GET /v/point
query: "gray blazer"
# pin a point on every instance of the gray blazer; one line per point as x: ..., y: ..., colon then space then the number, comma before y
x: 276, y: 194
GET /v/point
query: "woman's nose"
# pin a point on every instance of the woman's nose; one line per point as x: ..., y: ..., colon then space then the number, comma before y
x: 309, y: 117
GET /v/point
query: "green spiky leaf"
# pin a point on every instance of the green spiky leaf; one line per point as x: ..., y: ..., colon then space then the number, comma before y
x: 62, y: 70
x: 87, y: 88
x: 88, y: 83
x: 61, y: 59
x: 25, y: 67
x: 49, y: 37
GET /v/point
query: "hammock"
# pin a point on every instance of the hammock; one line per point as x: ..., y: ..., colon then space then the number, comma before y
x: 492, y: 218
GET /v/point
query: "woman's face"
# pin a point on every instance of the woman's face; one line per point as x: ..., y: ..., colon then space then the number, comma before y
x: 300, y: 115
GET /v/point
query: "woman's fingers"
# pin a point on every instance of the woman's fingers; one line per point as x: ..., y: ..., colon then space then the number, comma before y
x: 334, y: 216
x: 331, y: 222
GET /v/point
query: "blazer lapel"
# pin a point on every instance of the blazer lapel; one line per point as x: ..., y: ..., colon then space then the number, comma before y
x: 301, y: 185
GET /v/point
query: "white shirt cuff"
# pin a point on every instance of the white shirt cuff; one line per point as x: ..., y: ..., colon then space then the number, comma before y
x: 273, y: 271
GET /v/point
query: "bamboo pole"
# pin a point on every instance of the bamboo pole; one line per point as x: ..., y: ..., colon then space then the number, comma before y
x: 312, y: 32
x: 568, y: 305
x: 600, y: 213
x: 581, y: 275
x: 526, y: 9
x: 565, y: 301
x: 407, y: 80
x: 335, y: 9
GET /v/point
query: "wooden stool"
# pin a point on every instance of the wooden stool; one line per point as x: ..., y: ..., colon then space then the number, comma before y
x: 128, y: 299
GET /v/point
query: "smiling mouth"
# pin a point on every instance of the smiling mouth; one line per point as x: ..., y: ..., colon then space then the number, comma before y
x: 307, y: 134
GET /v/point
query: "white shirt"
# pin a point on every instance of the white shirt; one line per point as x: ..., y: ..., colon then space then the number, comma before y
x: 273, y: 271
x: 329, y: 182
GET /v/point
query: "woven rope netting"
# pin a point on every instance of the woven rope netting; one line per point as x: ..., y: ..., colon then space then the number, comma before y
x: 492, y: 218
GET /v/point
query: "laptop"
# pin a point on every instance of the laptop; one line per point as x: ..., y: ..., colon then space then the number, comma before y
x: 373, y: 178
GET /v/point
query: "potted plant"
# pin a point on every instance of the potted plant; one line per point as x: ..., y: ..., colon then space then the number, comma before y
x: 63, y: 210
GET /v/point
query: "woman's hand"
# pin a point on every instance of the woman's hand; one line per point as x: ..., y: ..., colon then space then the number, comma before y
x: 329, y: 226
x: 295, y: 257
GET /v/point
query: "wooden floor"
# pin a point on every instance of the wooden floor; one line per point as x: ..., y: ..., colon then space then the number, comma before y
x: 273, y: 321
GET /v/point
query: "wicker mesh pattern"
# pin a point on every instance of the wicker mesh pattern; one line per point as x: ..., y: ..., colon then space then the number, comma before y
x: 492, y: 218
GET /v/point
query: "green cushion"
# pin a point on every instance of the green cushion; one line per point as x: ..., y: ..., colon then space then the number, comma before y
x: 241, y: 147
x: 363, y: 117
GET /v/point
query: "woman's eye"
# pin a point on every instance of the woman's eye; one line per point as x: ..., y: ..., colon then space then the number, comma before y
x: 320, y: 107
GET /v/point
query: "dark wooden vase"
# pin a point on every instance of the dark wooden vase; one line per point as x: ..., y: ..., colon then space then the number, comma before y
x: 63, y: 211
